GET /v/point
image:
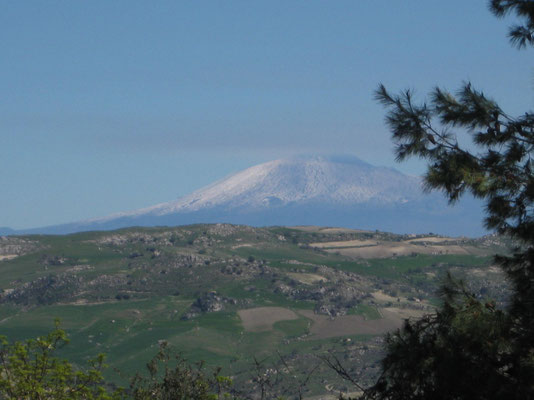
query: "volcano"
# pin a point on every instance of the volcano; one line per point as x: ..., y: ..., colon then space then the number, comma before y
x: 315, y: 190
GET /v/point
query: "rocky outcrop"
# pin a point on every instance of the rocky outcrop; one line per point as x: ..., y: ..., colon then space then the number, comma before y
x: 206, y: 303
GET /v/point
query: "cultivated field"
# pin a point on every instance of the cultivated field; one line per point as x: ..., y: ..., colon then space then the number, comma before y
x: 325, y: 327
x: 387, y: 249
x: 263, y: 318
x: 343, y: 244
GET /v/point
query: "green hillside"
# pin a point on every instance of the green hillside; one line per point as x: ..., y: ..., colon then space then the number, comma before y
x: 230, y: 294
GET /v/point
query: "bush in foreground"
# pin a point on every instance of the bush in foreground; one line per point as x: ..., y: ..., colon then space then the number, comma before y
x: 30, y: 370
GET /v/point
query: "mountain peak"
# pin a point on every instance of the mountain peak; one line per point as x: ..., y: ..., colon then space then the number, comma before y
x: 330, y: 158
x: 306, y: 190
x: 302, y: 179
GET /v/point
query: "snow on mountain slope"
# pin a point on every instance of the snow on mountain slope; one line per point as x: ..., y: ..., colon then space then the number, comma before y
x: 332, y: 191
x: 328, y: 180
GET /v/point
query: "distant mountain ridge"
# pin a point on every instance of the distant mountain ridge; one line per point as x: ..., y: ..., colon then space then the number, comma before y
x: 315, y: 190
x: 4, y: 230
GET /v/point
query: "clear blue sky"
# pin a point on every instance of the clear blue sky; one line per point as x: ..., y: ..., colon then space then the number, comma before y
x: 108, y: 106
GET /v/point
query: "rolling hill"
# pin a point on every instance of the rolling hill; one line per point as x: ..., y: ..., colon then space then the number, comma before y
x: 229, y: 294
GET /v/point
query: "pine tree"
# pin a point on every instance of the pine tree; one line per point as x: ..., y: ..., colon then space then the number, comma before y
x: 470, y: 349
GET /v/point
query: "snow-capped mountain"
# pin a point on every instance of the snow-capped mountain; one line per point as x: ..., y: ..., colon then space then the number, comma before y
x: 333, y: 191
x: 332, y: 180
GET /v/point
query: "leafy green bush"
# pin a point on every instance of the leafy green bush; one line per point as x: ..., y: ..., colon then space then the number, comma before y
x: 181, y: 381
x: 29, y: 370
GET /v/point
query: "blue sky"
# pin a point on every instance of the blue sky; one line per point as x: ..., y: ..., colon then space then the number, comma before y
x: 111, y: 106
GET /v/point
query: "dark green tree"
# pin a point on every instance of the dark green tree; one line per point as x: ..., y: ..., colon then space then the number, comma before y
x: 469, y: 349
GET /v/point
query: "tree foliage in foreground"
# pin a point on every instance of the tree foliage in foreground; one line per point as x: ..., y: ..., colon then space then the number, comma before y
x: 469, y: 349
x: 30, y: 370
x: 172, y: 378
